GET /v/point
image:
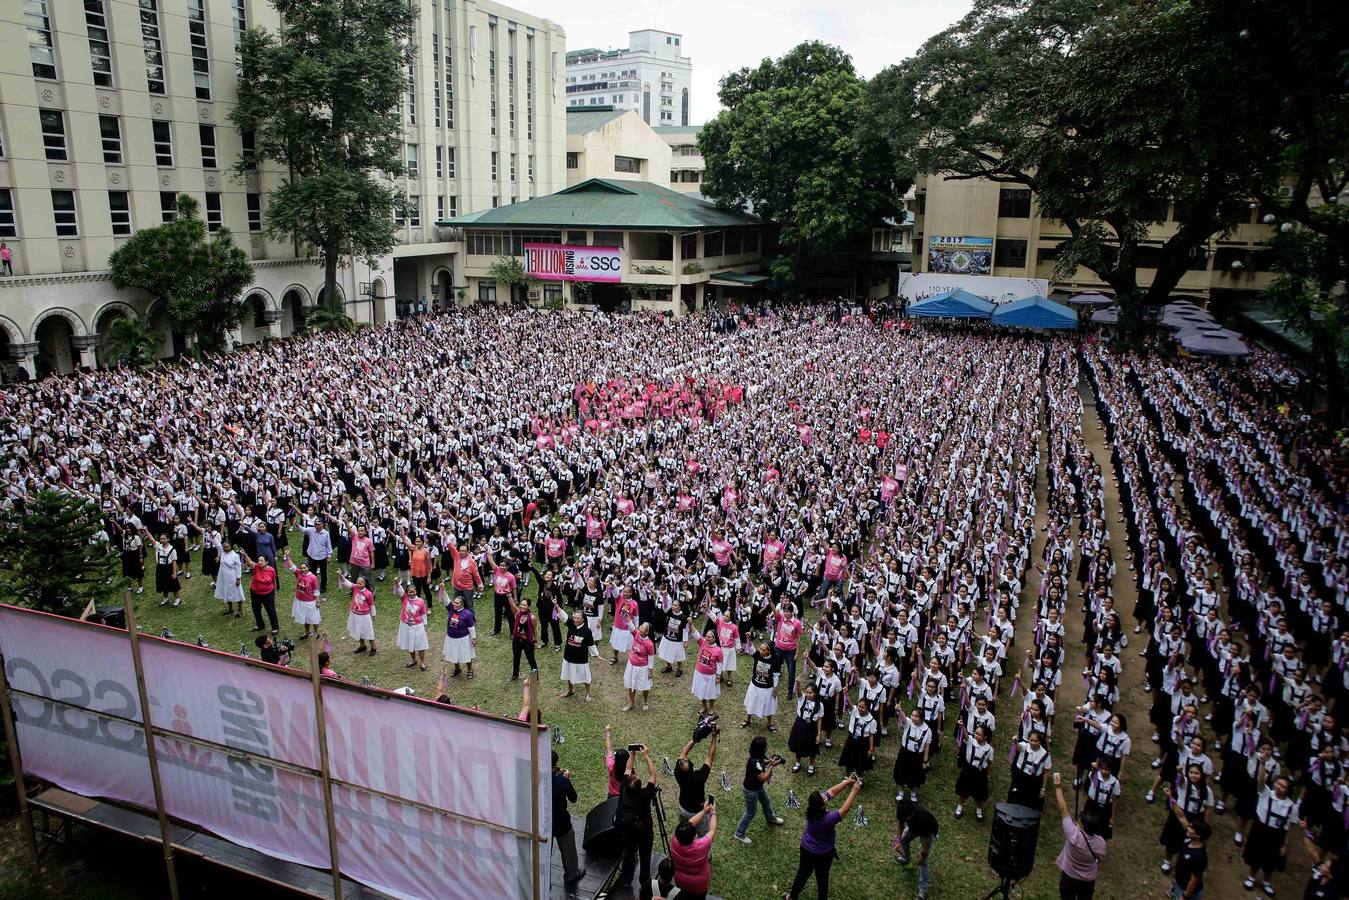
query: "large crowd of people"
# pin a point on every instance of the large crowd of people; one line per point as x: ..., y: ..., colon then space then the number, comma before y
x: 830, y: 526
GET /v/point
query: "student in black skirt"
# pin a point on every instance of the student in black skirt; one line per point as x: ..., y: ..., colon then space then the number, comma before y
x: 1247, y: 778
x: 859, y: 750
x: 829, y: 690
x: 1102, y: 792
x: 1266, y: 849
x: 915, y: 749
x: 807, y: 730
x: 976, y: 755
x: 1030, y: 772
x: 1090, y: 718
x: 133, y: 556
x: 1195, y: 798
x: 166, y: 571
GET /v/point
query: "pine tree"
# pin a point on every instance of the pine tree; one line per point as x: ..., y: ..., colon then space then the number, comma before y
x: 48, y: 557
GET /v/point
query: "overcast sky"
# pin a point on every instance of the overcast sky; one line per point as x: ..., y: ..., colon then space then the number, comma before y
x: 723, y: 35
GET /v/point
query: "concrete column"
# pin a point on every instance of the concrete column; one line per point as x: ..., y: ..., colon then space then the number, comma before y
x: 85, y: 345
x: 26, y: 355
x: 272, y: 323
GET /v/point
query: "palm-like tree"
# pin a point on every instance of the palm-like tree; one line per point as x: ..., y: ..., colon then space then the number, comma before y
x: 328, y: 319
x: 132, y: 341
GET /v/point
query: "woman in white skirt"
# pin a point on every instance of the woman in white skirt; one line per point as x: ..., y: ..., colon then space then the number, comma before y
x: 461, y: 634
x: 637, y: 676
x: 361, y: 618
x: 412, y: 626
x: 305, y: 609
x: 625, y: 624
x: 229, y: 585
x: 576, y: 655
x: 761, y: 698
x: 674, y: 644
x: 706, y: 685
x: 728, y: 636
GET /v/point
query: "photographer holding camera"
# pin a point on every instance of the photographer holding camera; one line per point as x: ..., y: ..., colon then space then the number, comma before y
x: 758, y: 770
x: 693, y: 782
x: 633, y: 819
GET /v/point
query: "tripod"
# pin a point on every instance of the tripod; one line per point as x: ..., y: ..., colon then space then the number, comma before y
x: 659, y: 806
x: 1004, y: 890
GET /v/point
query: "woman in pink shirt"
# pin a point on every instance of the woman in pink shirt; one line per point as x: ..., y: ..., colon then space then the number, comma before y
x: 787, y: 630
x: 706, y: 686
x: 412, y: 626
x: 625, y: 623
x: 692, y: 855
x: 637, y: 677
x: 728, y: 637
x: 361, y: 618
x: 835, y: 568
x: 721, y: 552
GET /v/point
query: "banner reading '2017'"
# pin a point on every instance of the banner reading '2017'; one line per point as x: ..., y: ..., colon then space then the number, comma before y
x: 429, y: 801
x: 562, y: 262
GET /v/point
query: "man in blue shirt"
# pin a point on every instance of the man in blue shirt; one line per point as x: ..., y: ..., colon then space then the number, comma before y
x: 266, y: 544
x: 318, y: 547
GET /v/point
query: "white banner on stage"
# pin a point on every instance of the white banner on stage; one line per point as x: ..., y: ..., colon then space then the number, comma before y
x: 995, y: 289
x: 246, y: 766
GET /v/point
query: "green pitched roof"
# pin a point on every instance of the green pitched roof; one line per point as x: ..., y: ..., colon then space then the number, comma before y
x: 585, y: 119
x: 615, y: 205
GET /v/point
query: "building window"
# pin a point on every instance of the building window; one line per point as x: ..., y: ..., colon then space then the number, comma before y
x: 8, y: 228
x: 552, y: 294
x: 449, y: 72
x: 496, y: 201
x: 440, y: 162
x: 412, y: 160
x: 440, y: 207
x: 110, y: 131
x: 168, y: 205
x: 487, y: 291
x: 449, y: 162
x: 751, y: 241
x: 529, y: 88
x: 163, y: 134
x: 415, y: 211
x: 712, y: 244
x: 1010, y: 253
x: 208, y: 155
x: 1014, y: 203
x: 53, y: 123
x: 629, y: 164
x: 40, y: 48
x: 254, y: 211
x: 250, y: 153
x: 688, y: 246
x: 154, y: 47
x: 734, y: 242
x: 240, y: 21
x: 196, y: 32
x: 119, y: 207
x: 214, y: 217
x: 435, y: 79
x: 494, y: 166
x: 100, y: 50
x: 412, y: 93
x: 573, y: 160
x: 684, y: 108
x: 63, y: 210
x: 608, y: 239
x: 454, y: 205
x: 512, y: 168
x: 531, y: 170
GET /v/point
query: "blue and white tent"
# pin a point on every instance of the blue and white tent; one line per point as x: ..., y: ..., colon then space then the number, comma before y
x: 1034, y: 312
x: 957, y: 304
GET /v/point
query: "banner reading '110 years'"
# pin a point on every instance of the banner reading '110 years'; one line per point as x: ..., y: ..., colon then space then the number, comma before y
x: 429, y: 801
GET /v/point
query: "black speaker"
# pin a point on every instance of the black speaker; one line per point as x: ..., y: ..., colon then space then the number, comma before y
x: 112, y: 615
x: 1011, y: 843
x: 602, y: 839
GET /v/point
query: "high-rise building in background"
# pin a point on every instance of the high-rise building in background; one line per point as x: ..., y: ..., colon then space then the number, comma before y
x: 651, y: 76
x: 110, y: 108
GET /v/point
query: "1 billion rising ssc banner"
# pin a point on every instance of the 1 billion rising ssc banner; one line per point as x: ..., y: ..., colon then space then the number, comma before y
x: 429, y: 800
x: 563, y: 262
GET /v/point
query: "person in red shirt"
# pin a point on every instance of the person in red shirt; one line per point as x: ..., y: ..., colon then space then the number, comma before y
x: 707, y: 665
x: 262, y: 590
x: 466, y: 581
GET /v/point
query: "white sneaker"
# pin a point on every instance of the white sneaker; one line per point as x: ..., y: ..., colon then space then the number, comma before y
x: 1237, y: 839
x: 1166, y: 865
x: 1249, y: 882
x: 1149, y: 796
x: 960, y: 811
x: 1268, y: 888
x: 742, y: 838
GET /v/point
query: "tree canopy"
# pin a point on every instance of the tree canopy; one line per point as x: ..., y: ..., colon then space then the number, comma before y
x: 787, y: 146
x: 201, y: 277
x: 49, y: 559
x: 321, y: 98
x: 1107, y: 113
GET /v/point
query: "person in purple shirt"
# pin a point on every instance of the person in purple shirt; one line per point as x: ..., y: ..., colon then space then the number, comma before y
x: 817, y: 842
x: 1080, y: 859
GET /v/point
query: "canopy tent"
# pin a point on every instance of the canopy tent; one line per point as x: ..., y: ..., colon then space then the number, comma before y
x: 1207, y: 345
x: 1034, y: 312
x: 957, y: 304
x: 1106, y: 316
x: 1208, y: 331
x: 1091, y: 298
x: 1180, y: 321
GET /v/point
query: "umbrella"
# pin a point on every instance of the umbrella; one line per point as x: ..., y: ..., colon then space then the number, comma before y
x: 1106, y: 316
x: 1216, y: 331
x: 1091, y: 298
x: 1207, y: 345
x: 1182, y: 321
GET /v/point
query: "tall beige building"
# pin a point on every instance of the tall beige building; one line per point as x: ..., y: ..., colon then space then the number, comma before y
x: 973, y: 214
x: 109, y: 108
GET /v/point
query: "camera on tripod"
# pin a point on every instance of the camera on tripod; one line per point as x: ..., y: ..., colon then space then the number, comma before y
x: 285, y: 647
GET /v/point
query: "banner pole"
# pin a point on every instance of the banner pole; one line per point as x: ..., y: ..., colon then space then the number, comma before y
x: 321, y: 723
x: 16, y: 759
x: 535, y: 837
x: 151, y: 753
